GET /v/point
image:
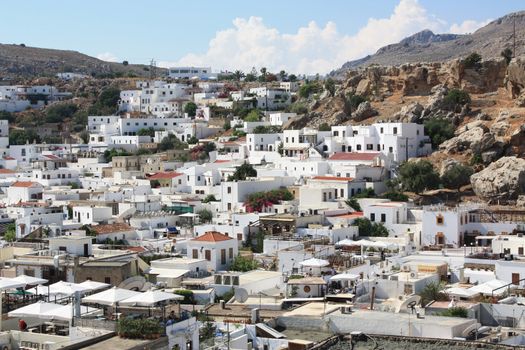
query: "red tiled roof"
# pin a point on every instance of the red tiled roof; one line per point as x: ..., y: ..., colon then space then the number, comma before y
x: 354, y: 156
x: 136, y: 249
x: 52, y: 156
x: 165, y: 175
x: 212, y: 236
x: 222, y: 161
x: 8, y: 158
x: 355, y: 214
x: 111, y: 228
x: 332, y: 178
x: 24, y: 184
x: 7, y: 171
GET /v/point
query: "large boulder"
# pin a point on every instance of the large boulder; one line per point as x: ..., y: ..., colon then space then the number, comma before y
x: 410, y: 113
x: 475, y: 140
x: 364, y: 111
x: 501, y: 181
x: 516, y: 77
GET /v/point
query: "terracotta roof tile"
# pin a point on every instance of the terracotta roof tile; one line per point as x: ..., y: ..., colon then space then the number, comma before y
x: 24, y: 184
x: 212, y: 236
x: 111, y: 228
x: 163, y: 175
x: 368, y: 156
x: 332, y: 178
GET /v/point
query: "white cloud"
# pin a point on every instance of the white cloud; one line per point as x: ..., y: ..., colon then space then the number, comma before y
x: 108, y: 57
x: 468, y: 26
x: 313, y: 48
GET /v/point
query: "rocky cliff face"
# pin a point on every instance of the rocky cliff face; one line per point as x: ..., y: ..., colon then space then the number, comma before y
x: 501, y: 181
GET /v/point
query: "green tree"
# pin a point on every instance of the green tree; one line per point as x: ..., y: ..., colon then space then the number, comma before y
x: 432, y: 291
x: 379, y: 230
x: 243, y: 264
x: 23, y: 136
x: 456, y: 311
x: 10, y: 233
x: 242, y: 172
x: 324, y: 127
x: 190, y: 108
x: 439, y: 130
x: 364, y: 226
x: 455, y: 99
x: 205, y: 216
x: 264, y: 73
x: 353, y: 203
x: 282, y: 75
x: 146, y: 132
x: 84, y: 136
x: 253, y: 116
x: 418, y: 176
x: 298, y: 107
x: 209, y: 198
x: 125, y: 63
x: 473, y: 61
x: 58, y: 112
x: 250, y: 78
x: 309, y: 88
x: 507, y: 55
x: 352, y: 101
x: 4, y: 115
x: 292, y: 77
x: 329, y: 85
x: 106, y: 103
x: 227, y: 125
x: 456, y: 176
x: 171, y: 142
x: 193, y: 140
x: 238, y: 75
x: 114, y: 152
x: 395, y: 196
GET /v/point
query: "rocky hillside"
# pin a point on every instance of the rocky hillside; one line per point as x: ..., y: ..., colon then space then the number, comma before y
x: 22, y: 61
x: 489, y: 125
x: 426, y: 46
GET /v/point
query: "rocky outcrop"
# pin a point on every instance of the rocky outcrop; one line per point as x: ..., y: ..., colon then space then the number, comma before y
x: 515, y: 79
x: 474, y: 141
x: 411, y: 113
x: 502, y: 181
x: 364, y: 111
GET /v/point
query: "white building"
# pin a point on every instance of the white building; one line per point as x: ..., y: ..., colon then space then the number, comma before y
x: 202, y: 73
x: 217, y: 249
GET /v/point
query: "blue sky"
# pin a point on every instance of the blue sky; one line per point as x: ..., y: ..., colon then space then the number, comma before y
x: 303, y: 36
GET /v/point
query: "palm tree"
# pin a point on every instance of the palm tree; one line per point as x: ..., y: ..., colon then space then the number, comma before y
x: 238, y: 75
x: 283, y: 75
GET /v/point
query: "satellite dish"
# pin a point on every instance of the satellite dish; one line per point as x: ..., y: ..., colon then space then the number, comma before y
x: 410, y: 300
x: 470, y: 331
x: 241, y: 295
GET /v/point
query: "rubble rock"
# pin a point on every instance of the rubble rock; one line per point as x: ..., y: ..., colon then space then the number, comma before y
x: 500, y: 128
x: 411, y: 113
x: 501, y: 181
x: 446, y: 165
x: 475, y: 140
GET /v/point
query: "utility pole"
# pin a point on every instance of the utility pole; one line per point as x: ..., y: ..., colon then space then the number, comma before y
x: 152, y: 69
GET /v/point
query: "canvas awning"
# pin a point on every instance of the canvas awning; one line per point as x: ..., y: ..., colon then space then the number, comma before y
x: 66, y: 288
x: 94, y: 285
x: 344, y: 277
x: 150, y: 298
x: 110, y: 297
x: 9, y: 283
x: 29, y: 280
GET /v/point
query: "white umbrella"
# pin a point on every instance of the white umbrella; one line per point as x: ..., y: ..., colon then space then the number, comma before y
x: 34, y: 310
x: 189, y: 215
x: 314, y: 262
x: 29, y: 280
x: 344, y: 277
x: 346, y: 242
x: 9, y: 283
x: 461, y: 292
x: 110, y: 297
x: 150, y: 298
x: 94, y: 285
x: 66, y: 288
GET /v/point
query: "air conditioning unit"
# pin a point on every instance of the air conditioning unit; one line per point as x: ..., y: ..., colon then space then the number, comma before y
x: 406, y: 268
x: 413, y: 274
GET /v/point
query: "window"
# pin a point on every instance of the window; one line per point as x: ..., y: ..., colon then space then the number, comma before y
x: 370, y: 147
x: 381, y: 130
x: 229, y: 190
x: 372, y: 217
x: 239, y: 237
x: 107, y: 280
x: 207, y: 255
x: 358, y: 147
x: 383, y: 217
x: 195, y: 254
x: 230, y: 253
x: 440, y: 220
x: 395, y: 130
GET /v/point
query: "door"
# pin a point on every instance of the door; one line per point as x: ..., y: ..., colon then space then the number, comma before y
x: 207, y: 255
x: 86, y: 249
x: 520, y: 250
x: 516, y: 278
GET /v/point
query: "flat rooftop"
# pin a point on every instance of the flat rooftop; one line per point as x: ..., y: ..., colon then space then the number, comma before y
x: 314, y: 309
